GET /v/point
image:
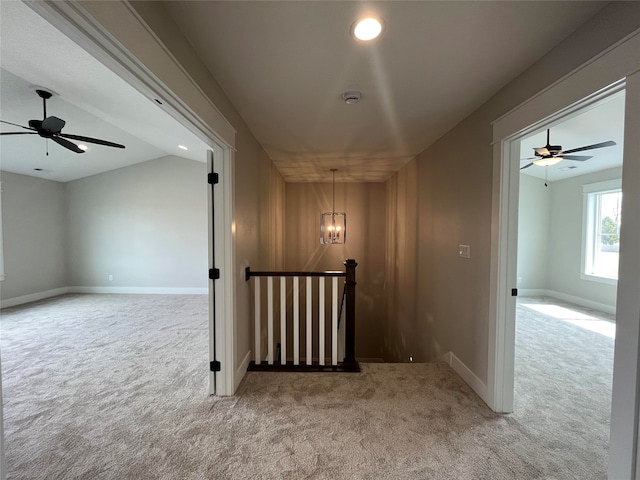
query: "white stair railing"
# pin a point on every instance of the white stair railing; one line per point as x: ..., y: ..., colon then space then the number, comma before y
x: 294, y: 317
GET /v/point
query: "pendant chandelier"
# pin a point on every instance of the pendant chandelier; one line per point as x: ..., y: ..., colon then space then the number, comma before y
x: 333, y: 225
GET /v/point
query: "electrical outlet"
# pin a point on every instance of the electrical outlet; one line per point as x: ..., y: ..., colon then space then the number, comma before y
x: 110, y: 278
x: 464, y: 251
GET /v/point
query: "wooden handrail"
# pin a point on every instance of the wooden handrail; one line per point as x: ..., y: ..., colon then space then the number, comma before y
x: 248, y: 273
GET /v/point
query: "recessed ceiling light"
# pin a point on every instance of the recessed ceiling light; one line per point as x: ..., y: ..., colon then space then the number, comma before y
x: 367, y: 28
x: 83, y: 147
x: 182, y: 147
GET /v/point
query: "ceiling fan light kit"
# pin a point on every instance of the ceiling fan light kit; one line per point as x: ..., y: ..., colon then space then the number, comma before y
x: 51, y: 128
x: 547, y: 162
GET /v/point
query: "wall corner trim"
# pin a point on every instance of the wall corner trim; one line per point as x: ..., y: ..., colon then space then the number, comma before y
x: 466, y: 374
x: 241, y: 370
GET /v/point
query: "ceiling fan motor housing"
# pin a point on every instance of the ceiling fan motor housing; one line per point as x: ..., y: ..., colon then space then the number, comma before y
x: 554, y: 149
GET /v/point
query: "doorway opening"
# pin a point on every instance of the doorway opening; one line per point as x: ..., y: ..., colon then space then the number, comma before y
x: 567, y: 264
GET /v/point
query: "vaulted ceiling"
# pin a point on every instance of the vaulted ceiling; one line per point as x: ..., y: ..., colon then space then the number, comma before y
x: 92, y: 100
x: 284, y: 66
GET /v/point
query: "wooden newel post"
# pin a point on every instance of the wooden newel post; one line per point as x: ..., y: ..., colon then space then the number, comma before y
x: 350, y: 362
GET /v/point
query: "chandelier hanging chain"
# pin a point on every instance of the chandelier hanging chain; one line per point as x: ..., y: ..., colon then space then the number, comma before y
x: 333, y: 204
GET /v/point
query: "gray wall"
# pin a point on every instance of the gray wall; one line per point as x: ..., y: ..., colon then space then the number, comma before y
x: 550, y: 237
x: 454, y: 185
x: 565, y: 240
x: 146, y: 225
x: 34, y: 230
x: 404, y: 337
x: 534, y: 217
x: 364, y: 204
x: 259, y: 215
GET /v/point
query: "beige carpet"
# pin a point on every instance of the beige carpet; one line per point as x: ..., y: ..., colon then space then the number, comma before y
x: 114, y: 387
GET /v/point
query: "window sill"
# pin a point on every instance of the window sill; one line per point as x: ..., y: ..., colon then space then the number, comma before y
x: 595, y: 278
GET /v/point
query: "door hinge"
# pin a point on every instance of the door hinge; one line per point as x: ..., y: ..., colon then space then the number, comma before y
x: 215, y: 366
x: 214, y: 274
x: 514, y: 292
x: 213, y: 178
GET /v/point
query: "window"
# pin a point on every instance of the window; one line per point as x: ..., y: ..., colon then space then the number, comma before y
x: 602, y: 221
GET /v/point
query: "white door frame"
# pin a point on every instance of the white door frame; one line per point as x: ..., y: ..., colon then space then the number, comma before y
x: 620, y: 63
x: 115, y: 34
x: 222, y: 326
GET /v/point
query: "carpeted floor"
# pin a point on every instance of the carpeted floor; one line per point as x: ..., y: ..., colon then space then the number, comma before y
x: 114, y: 387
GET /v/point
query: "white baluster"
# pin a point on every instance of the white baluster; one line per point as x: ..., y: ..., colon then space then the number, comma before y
x: 309, y: 325
x: 283, y: 320
x: 334, y: 321
x: 258, y: 336
x: 296, y: 321
x: 270, y: 320
x: 321, y: 320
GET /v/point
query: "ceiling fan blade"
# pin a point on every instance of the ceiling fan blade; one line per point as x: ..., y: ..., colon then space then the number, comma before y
x: 16, y: 125
x: 610, y: 143
x: 18, y: 133
x: 67, y: 144
x: 53, y: 124
x: 91, y: 140
x: 530, y: 158
x: 577, y: 158
x: 526, y: 166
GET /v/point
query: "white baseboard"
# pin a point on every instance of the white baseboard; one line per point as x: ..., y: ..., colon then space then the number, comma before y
x: 33, y: 297
x: 241, y: 371
x: 141, y: 290
x: 583, y: 302
x: 532, y: 292
x: 466, y: 374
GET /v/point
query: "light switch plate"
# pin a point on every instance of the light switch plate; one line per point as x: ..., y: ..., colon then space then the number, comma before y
x: 464, y: 251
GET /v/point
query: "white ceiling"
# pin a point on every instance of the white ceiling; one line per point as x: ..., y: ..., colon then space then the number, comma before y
x: 90, y: 98
x: 594, y: 124
x: 284, y: 65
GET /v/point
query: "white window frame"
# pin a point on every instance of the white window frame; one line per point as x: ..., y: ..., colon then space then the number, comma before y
x: 589, y: 192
